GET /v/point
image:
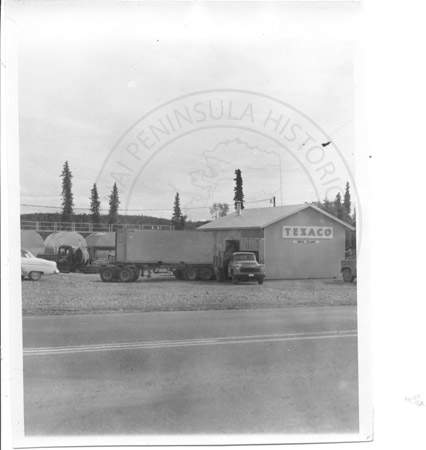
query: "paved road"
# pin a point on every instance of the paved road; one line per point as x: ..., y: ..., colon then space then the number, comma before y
x: 291, y: 370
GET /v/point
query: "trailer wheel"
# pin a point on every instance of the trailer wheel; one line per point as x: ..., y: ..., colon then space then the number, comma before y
x: 347, y: 275
x: 206, y: 274
x: 191, y: 274
x: 126, y: 275
x: 107, y: 275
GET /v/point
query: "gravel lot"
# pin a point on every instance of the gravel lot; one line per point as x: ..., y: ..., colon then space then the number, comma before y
x: 86, y: 294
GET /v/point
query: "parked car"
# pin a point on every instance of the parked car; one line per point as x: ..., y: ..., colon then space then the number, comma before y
x: 34, y: 268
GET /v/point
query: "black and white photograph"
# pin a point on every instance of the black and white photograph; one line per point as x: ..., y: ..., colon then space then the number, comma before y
x: 189, y: 211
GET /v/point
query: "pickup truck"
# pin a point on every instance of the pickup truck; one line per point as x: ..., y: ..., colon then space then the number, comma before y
x: 243, y: 266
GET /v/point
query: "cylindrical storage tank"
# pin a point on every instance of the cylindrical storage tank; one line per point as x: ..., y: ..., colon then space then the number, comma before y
x: 32, y: 241
x: 55, y: 240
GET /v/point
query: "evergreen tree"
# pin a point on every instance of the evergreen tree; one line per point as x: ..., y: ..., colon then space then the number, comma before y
x: 114, y: 203
x: 182, y: 223
x: 352, y: 241
x: 95, y: 205
x: 238, y: 189
x: 67, y: 197
x: 328, y: 206
x: 339, y: 209
x: 353, y: 218
x: 178, y: 219
x: 342, y: 212
x: 347, y: 203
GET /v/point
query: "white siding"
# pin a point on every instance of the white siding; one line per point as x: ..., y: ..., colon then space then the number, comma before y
x: 286, y: 259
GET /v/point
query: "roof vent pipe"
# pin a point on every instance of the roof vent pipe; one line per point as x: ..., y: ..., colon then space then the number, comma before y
x: 238, y: 208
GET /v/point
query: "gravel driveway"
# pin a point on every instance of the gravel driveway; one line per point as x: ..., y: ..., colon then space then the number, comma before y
x: 76, y: 293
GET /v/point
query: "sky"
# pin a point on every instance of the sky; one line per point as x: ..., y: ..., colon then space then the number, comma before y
x: 88, y: 73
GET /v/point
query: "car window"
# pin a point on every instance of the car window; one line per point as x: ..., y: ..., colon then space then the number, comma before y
x: 26, y: 254
x: 248, y: 257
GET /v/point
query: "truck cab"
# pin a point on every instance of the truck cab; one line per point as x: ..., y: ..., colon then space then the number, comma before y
x: 243, y: 266
x: 68, y: 258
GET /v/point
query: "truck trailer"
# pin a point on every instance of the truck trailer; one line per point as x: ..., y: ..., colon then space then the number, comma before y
x: 189, y: 255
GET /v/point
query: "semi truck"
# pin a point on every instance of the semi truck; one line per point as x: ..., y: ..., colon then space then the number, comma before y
x: 189, y: 255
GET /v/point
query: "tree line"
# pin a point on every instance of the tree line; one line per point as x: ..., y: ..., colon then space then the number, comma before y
x: 95, y: 202
x: 342, y: 209
x: 339, y: 207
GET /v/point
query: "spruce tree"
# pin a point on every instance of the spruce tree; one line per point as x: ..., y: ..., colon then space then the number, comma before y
x: 238, y: 189
x: 339, y: 210
x: 347, y: 203
x: 67, y: 197
x: 328, y: 206
x: 178, y: 220
x: 114, y: 203
x: 353, y: 234
x: 95, y: 205
x: 182, y: 222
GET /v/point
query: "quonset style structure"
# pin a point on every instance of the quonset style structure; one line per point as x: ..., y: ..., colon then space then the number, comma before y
x: 71, y: 238
x: 294, y: 241
x: 32, y: 241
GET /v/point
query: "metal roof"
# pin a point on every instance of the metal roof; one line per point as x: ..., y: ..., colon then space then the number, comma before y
x: 263, y: 217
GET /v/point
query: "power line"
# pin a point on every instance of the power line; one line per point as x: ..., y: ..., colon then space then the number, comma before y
x: 105, y: 209
x: 138, y: 210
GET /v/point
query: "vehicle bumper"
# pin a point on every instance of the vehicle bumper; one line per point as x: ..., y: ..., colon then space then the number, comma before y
x: 249, y: 276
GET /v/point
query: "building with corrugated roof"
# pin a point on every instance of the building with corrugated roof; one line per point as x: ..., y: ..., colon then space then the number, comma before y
x: 293, y: 241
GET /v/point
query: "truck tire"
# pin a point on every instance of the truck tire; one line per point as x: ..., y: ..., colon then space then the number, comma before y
x: 234, y: 278
x: 260, y: 280
x: 191, y: 274
x: 107, y: 275
x: 206, y: 274
x: 35, y: 276
x: 347, y: 275
x: 126, y: 275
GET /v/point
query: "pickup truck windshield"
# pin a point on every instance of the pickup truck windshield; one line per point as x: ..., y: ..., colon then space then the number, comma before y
x: 244, y: 257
